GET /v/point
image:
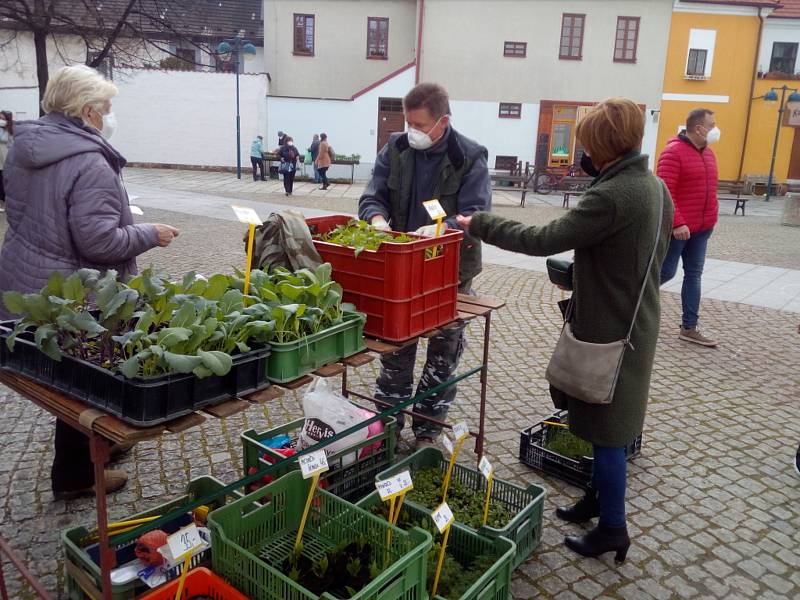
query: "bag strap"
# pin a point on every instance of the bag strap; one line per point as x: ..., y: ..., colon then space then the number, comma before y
x: 650, y: 262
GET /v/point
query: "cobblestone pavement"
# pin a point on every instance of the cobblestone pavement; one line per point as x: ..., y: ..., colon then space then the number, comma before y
x: 713, y: 502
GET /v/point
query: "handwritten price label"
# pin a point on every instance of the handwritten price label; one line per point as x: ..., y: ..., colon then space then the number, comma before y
x: 434, y: 209
x: 486, y: 467
x: 184, y: 540
x: 394, y: 486
x: 311, y: 464
x: 246, y: 215
x: 447, y: 443
x: 460, y: 431
x: 442, y: 517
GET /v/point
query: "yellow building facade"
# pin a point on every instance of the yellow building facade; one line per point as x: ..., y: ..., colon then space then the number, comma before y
x: 713, y: 62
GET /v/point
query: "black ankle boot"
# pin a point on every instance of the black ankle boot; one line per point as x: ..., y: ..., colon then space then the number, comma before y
x: 600, y: 540
x: 587, y: 508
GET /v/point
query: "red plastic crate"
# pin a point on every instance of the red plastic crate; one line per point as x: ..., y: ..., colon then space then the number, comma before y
x: 403, y: 293
x: 199, y: 582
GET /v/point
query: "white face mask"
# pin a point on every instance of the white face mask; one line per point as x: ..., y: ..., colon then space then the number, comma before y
x: 290, y: 143
x: 419, y: 140
x: 713, y: 135
x: 109, y: 125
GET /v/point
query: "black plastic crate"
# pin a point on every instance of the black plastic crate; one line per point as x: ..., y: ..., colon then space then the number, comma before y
x: 139, y: 401
x: 577, y: 472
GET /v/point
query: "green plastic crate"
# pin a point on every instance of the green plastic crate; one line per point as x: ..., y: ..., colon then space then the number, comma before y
x: 351, y: 482
x: 290, y: 360
x: 250, y: 545
x: 527, y: 505
x: 465, y: 544
x: 75, y: 550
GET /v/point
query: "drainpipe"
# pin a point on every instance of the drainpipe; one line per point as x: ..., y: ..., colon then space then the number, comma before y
x: 752, y: 91
x: 419, y: 39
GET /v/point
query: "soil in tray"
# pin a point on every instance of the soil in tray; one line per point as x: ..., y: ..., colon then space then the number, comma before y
x: 456, y: 578
x: 341, y: 571
x: 466, y: 503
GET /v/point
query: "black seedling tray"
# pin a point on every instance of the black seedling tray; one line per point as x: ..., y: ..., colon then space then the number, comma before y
x: 138, y: 401
x: 578, y: 472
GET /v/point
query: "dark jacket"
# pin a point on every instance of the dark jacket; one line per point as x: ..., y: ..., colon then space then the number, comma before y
x: 454, y: 171
x: 66, y: 206
x: 314, y: 149
x: 691, y: 176
x: 289, y: 156
x: 612, y: 230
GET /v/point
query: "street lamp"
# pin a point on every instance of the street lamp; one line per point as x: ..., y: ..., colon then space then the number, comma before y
x: 772, y: 96
x: 232, y: 49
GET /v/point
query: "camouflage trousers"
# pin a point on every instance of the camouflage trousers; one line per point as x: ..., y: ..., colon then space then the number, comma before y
x: 396, y: 380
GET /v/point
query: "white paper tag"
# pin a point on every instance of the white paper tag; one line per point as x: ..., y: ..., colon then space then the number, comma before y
x: 435, y: 210
x: 246, y: 215
x: 442, y: 517
x: 460, y: 431
x: 184, y: 540
x: 135, y: 209
x: 315, y: 462
x: 486, y: 467
x: 394, y: 486
x: 447, y: 443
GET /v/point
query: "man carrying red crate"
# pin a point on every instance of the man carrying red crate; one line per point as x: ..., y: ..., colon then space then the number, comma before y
x: 430, y: 160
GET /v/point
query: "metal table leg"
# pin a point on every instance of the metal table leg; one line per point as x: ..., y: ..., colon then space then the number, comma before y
x: 484, y: 383
x: 100, y: 448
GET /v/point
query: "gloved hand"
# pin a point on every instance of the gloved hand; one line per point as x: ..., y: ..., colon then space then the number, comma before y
x: 380, y: 223
x: 430, y: 230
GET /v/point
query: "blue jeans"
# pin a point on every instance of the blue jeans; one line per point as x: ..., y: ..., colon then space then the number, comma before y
x: 608, y: 478
x: 693, y: 254
x: 317, y: 178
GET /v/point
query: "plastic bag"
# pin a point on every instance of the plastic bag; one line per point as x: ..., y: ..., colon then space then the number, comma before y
x: 328, y: 413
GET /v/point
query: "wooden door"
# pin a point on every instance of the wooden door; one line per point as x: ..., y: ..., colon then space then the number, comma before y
x: 390, y: 119
x: 794, y: 157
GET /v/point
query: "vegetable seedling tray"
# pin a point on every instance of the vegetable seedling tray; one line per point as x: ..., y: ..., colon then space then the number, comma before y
x: 577, y: 471
x: 250, y: 544
x: 525, y: 504
x: 351, y: 475
x: 291, y: 360
x: 403, y: 289
x: 139, y: 401
x: 465, y: 545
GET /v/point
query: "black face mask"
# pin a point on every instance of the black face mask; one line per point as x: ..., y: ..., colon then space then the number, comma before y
x: 588, y: 166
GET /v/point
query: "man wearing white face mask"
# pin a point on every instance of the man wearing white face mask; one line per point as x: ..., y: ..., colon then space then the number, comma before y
x: 689, y: 168
x: 431, y: 160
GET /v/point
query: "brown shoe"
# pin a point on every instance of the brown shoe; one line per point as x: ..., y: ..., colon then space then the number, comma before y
x: 115, y: 480
x: 694, y: 336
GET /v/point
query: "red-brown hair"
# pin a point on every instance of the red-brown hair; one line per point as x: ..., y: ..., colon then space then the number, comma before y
x: 611, y: 129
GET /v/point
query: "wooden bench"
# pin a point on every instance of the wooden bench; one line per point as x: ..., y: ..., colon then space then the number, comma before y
x: 729, y: 187
x: 511, y: 183
x: 573, y: 186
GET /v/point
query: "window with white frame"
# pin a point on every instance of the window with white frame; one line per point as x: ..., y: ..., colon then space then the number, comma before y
x: 700, y: 53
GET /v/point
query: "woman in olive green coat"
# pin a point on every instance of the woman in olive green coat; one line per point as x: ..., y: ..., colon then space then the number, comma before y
x: 612, y: 230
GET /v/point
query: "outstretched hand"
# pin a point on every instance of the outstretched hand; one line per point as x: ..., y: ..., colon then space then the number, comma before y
x: 464, y: 221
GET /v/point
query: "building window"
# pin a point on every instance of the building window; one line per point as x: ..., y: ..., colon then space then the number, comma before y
x: 627, y: 39
x: 304, y: 34
x: 515, y: 49
x: 377, y: 37
x: 510, y: 110
x: 572, y: 26
x: 696, y: 65
x: 784, y: 57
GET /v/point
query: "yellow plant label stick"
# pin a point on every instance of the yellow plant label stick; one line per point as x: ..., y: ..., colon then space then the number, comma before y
x: 312, y: 489
x: 391, y: 520
x: 450, y: 466
x: 183, y: 575
x: 399, y: 506
x: 443, y: 519
x: 555, y: 424
x: 488, y: 499
x: 251, y: 234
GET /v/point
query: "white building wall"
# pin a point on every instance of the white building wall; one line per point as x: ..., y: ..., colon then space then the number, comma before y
x: 187, y: 117
x: 778, y: 30
x: 351, y: 125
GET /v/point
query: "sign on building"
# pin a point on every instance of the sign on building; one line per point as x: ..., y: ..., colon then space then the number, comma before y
x: 792, y: 114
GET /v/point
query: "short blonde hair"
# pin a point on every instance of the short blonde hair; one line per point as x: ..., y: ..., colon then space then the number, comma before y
x: 72, y: 88
x: 611, y: 129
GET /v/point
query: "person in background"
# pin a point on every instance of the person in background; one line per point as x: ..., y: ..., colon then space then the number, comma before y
x: 689, y: 168
x: 67, y: 210
x: 314, y: 150
x: 257, y: 157
x: 612, y: 231
x: 323, y: 161
x: 281, y: 138
x: 289, y: 156
x: 431, y: 160
x: 6, y: 136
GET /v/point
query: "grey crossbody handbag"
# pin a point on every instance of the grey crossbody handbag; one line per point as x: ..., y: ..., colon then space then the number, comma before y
x: 588, y: 371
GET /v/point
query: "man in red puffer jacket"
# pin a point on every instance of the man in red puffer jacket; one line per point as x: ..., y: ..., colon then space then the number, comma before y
x: 689, y: 168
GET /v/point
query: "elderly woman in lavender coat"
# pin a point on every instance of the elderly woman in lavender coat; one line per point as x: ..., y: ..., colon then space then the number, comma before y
x: 67, y: 209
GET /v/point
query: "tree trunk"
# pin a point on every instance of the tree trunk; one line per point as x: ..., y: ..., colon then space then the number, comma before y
x: 40, y: 43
